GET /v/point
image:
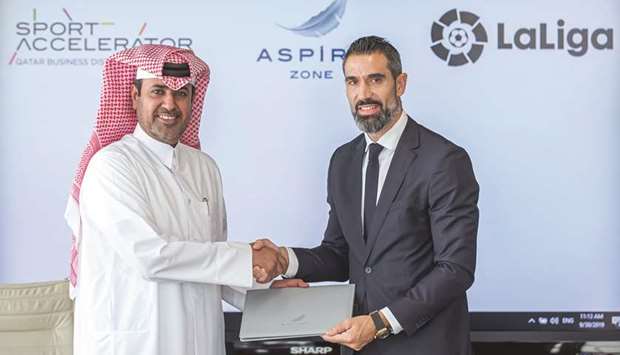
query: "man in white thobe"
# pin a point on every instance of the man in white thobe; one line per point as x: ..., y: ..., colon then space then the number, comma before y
x: 149, y: 220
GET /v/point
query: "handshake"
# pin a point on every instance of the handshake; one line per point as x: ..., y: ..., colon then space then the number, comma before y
x: 268, y: 260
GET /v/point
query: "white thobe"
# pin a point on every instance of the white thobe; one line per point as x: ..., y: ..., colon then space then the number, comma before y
x: 153, y: 253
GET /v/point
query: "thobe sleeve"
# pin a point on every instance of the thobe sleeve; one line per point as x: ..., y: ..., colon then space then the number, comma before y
x: 235, y: 296
x: 113, y: 202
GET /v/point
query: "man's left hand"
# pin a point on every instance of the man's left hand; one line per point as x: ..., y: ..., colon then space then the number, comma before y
x: 354, y: 333
x: 287, y: 283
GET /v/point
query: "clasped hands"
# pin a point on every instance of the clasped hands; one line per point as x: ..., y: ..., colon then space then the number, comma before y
x: 268, y: 260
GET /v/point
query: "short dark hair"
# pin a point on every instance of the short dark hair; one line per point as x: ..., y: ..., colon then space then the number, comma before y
x: 373, y: 44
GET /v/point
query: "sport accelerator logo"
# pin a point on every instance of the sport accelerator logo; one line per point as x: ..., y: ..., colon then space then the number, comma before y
x: 307, y: 58
x: 66, y: 41
x: 458, y: 38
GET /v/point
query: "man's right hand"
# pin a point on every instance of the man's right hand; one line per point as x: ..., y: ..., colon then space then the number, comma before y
x: 268, y: 260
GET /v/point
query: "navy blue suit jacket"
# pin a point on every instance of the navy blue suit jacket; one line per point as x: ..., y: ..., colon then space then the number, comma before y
x: 420, y: 253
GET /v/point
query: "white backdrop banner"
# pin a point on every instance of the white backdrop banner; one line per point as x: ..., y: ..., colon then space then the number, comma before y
x: 529, y: 88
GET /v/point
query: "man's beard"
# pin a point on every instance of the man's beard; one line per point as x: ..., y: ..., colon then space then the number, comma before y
x: 374, y: 123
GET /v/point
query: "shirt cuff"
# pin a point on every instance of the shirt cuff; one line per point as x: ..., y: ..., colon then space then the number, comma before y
x: 396, y: 327
x: 293, y: 264
x: 260, y: 286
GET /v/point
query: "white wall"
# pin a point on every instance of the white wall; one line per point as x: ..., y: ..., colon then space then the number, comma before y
x: 541, y: 126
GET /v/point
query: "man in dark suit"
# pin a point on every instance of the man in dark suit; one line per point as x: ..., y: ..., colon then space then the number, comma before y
x: 402, y: 223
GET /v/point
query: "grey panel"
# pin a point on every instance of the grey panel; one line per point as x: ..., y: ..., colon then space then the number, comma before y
x: 475, y: 52
x: 441, y: 51
x: 457, y: 59
x: 436, y: 32
x: 480, y: 33
x: 468, y: 18
x: 295, y: 312
x: 449, y: 17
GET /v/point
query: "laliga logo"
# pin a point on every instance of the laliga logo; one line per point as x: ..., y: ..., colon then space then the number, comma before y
x: 576, y: 39
x: 458, y: 37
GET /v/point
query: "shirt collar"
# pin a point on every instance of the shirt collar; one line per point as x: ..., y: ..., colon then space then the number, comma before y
x: 163, y: 151
x: 390, y: 139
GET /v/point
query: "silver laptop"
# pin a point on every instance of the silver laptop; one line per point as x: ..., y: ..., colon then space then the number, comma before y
x: 295, y: 312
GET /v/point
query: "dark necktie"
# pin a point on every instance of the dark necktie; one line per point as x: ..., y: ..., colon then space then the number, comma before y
x: 372, y: 183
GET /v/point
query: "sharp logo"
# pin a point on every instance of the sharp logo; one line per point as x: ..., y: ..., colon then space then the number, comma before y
x: 311, y: 349
x: 458, y: 38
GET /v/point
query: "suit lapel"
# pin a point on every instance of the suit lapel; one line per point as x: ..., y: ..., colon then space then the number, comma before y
x: 402, y: 159
x: 353, y: 192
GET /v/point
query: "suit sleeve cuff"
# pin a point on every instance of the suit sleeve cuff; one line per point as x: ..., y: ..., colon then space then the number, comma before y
x: 293, y: 264
x: 396, y: 327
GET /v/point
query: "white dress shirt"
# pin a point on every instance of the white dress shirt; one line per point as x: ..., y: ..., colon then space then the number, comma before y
x: 389, y: 141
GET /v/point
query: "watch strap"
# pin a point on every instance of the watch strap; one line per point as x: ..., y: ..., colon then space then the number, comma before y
x: 379, y: 324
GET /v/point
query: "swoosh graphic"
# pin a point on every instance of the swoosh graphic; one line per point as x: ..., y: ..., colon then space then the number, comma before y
x: 297, y: 319
x: 321, y: 23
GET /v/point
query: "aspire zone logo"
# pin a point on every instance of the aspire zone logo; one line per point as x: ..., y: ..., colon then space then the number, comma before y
x: 310, y: 62
x: 459, y: 37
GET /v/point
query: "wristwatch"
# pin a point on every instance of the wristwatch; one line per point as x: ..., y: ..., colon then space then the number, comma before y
x: 383, y: 330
